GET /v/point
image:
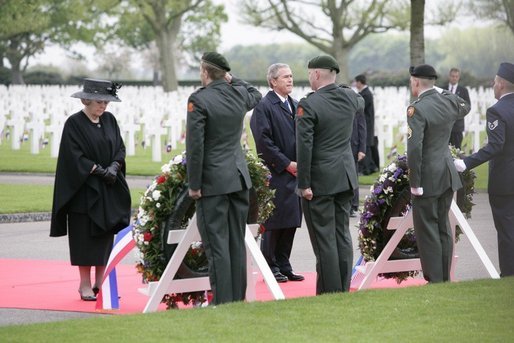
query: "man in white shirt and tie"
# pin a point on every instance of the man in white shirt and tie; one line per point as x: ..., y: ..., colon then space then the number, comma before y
x: 454, y: 87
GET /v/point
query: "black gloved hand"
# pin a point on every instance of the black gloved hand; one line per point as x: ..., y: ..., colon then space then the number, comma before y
x: 99, y: 171
x: 111, y: 171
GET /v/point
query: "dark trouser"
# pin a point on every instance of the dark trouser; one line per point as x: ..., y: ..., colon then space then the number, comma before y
x: 456, y: 139
x: 368, y: 164
x: 502, y: 207
x: 276, y: 246
x: 222, y: 223
x: 434, y: 235
x: 355, y: 199
x: 328, y: 220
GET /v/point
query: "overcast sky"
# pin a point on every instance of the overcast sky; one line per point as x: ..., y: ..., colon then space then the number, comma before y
x: 234, y: 32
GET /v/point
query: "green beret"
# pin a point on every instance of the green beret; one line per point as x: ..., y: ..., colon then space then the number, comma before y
x: 324, y: 62
x: 216, y: 60
x: 423, y: 71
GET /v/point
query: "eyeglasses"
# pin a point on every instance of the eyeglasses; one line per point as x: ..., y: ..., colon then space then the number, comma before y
x: 99, y: 102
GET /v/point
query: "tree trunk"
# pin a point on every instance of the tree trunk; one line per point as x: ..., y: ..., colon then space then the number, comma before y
x: 417, y: 33
x: 165, y: 44
x: 14, y: 57
x: 341, y: 55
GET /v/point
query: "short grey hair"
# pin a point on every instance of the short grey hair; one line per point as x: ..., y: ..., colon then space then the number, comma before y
x: 273, y: 71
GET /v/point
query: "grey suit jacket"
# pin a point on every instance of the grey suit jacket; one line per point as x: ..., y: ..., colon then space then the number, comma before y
x: 215, y: 158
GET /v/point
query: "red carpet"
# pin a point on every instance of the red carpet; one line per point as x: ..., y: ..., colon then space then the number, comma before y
x: 53, y: 285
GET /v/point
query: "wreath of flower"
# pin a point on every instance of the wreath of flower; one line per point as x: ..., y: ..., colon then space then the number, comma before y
x: 157, y: 204
x: 391, y: 193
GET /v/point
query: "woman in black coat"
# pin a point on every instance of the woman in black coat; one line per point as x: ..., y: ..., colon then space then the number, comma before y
x: 91, y: 197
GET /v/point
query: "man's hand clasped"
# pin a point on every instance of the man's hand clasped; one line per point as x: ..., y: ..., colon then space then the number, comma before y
x: 417, y: 191
x: 291, y: 168
x: 459, y: 165
x: 195, y: 194
x: 307, y: 193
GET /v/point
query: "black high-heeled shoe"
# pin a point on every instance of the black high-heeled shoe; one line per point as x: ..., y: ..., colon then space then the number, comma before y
x: 96, y: 290
x: 87, y: 297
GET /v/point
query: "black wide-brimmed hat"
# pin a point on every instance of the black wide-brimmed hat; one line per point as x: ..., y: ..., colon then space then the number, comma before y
x: 98, y: 90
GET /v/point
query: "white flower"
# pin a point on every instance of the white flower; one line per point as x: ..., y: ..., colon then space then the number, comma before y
x: 388, y: 190
x: 158, y: 205
x: 196, y: 245
x: 143, y: 219
x: 177, y: 160
x: 156, y: 195
x: 392, y: 167
x: 382, y: 178
x: 166, y: 168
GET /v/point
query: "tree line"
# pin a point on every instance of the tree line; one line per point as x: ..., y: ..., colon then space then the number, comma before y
x: 171, y: 33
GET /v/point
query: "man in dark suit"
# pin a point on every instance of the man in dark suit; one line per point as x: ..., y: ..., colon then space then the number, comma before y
x: 218, y: 174
x: 370, y: 163
x: 359, y: 152
x: 499, y: 151
x: 274, y: 130
x: 454, y: 88
x: 326, y: 171
x: 432, y: 175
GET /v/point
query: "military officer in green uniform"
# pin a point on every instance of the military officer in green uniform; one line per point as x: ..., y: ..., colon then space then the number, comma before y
x: 218, y: 174
x: 432, y: 174
x: 326, y: 171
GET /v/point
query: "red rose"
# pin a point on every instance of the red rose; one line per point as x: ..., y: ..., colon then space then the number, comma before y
x: 147, y: 236
x: 161, y: 179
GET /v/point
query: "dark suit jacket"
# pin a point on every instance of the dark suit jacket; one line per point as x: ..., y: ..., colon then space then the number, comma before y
x: 359, y: 134
x: 215, y: 158
x: 274, y: 131
x: 464, y: 94
x: 369, y: 114
x: 323, y: 132
x: 499, y: 150
x: 430, y: 119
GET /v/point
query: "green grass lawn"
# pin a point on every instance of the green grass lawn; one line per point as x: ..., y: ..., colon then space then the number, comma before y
x: 38, y: 198
x: 472, y: 311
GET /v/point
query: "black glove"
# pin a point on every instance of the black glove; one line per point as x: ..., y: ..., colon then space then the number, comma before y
x: 111, y: 171
x: 99, y: 171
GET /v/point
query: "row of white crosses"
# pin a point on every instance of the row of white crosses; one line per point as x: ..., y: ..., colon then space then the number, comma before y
x: 155, y: 114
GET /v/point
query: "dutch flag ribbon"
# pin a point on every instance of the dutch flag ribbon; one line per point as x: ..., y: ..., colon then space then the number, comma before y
x: 107, y: 299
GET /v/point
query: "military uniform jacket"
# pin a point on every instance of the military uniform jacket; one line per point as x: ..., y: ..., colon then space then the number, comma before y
x: 273, y: 129
x: 215, y: 158
x: 499, y: 150
x: 324, y: 123
x: 430, y: 119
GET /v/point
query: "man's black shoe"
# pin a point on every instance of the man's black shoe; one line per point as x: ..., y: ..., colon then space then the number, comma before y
x: 293, y: 277
x: 280, y: 277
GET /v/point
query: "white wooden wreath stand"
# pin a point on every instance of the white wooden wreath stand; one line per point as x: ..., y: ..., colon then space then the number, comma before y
x: 184, y: 238
x: 370, y: 270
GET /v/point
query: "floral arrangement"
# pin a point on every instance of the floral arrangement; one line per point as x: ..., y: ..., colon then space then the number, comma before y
x: 158, y: 203
x: 390, y: 196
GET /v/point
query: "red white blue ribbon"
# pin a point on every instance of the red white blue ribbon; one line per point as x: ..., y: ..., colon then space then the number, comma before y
x: 108, y: 299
